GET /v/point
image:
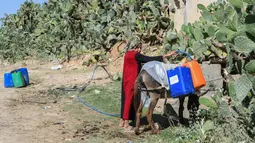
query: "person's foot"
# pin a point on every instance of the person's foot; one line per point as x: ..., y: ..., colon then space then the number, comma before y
x: 157, y: 126
x: 129, y: 129
x: 121, y: 123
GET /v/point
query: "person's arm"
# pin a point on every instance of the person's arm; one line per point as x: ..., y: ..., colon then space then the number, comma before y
x: 144, y: 59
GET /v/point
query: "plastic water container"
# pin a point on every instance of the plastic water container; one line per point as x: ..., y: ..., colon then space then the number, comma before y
x: 8, y: 80
x: 25, y: 75
x: 18, y: 79
x: 197, y: 74
x: 180, y: 82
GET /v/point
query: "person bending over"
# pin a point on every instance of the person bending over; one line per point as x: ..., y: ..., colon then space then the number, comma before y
x: 133, y: 61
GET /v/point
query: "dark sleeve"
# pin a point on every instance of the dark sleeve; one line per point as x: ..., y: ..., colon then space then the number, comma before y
x: 144, y: 59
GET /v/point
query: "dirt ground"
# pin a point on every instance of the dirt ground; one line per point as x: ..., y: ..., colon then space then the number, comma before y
x: 30, y: 115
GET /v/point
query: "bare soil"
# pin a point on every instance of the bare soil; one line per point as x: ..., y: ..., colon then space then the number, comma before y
x: 31, y: 114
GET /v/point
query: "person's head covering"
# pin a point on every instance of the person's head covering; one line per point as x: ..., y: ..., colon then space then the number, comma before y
x: 133, y: 44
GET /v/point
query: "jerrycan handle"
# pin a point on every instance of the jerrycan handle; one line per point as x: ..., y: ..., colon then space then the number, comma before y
x: 179, y: 51
x: 14, y: 71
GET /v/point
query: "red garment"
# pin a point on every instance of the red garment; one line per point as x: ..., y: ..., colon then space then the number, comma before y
x: 130, y: 71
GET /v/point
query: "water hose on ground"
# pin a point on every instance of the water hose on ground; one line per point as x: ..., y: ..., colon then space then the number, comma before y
x: 84, y: 87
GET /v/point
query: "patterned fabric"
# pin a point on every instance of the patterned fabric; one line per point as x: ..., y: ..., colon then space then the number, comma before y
x: 158, y: 71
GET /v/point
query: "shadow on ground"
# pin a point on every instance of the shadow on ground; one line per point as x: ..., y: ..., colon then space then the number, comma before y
x: 168, y: 119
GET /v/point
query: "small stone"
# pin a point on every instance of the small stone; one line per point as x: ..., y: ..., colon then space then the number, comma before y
x: 64, y: 132
x: 97, y: 91
x: 72, y: 97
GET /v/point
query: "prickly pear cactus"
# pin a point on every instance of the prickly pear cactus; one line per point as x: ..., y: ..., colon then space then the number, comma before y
x: 208, y: 42
x: 232, y: 89
x: 250, y: 24
x: 244, y: 44
x: 252, y: 2
x: 237, y: 3
x: 186, y: 29
x: 198, y: 49
x: 197, y: 34
x: 233, y: 23
x: 182, y: 39
x: 170, y: 36
x: 175, y: 47
x: 250, y: 67
x: 230, y: 12
x: 211, y: 31
x: 167, y: 47
x: 221, y: 37
x: 220, y: 15
x: 207, y: 16
x: 202, y: 7
x: 243, y: 86
x: 241, y: 32
x: 191, y: 42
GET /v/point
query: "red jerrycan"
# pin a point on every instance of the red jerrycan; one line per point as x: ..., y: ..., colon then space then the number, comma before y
x: 198, y: 78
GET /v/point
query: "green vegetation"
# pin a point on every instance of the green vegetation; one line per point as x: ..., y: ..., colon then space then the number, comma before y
x: 67, y: 28
x: 215, y: 125
x: 105, y: 98
x: 224, y: 34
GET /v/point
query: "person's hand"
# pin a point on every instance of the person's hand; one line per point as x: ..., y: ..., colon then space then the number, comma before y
x: 169, y: 54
